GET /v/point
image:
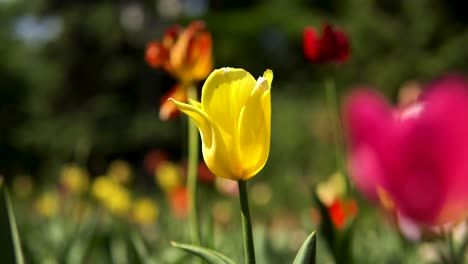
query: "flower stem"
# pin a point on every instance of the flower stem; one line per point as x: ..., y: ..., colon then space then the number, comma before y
x: 447, y: 252
x: 332, y: 103
x: 451, y: 247
x: 246, y: 223
x: 193, y: 148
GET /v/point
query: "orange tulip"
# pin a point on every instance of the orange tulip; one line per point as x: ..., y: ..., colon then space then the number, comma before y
x: 185, y: 54
x: 167, y: 109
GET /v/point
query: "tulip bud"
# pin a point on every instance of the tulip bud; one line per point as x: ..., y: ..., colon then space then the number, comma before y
x: 234, y: 119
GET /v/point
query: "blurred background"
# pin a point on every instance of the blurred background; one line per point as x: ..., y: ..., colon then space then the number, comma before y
x: 77, y: 98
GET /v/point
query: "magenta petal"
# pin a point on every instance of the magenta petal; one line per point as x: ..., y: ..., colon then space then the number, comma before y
x: 367, y: 118
x: 446, y: 122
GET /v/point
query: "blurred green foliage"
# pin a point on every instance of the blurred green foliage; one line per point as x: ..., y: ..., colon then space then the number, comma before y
x: 78, y: 88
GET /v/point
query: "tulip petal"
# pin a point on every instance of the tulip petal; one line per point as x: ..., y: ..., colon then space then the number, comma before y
x: 214, y: 147
x: 254, y: 129
x: 200, y: 119
x: 311, y: 44
x: 201, y: 57
x: 268, y: 74
x: 167, y: 109
x: 156, y: 54
x: 441, y: 131
x: 180, y: 50
x: 223, y: 95
x: 367, y: 117
x: 195, y: 103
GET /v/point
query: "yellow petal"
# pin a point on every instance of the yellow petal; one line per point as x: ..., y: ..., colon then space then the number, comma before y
x: 224, y: 94
x: 213, y: 145
x: 268, y: 74
x: 195, y: 103
x: 254, y: 130
x: 199, y: 117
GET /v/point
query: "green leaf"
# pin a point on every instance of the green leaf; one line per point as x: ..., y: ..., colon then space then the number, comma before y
x: 326, y: 226
x: 209, y: 255
x: 9, y: 238
x: 306, y: 254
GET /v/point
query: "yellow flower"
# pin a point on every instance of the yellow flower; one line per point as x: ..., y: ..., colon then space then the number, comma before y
x: 47, y: 204
x: 103, y: 187
x: 168, y: 176
x: 234, y: 119
x: 112, y: 195
x: 120, y: 171
x: 331, y: 189
x: 145, y: 211
x: 74, y: 178
x: 119, y: 201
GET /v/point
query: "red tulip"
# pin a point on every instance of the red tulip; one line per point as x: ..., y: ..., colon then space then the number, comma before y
x: 414, y: 156
x: 332, y: 46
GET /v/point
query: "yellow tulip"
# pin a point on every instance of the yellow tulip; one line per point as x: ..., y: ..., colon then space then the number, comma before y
x: 332, y: 189
x: 74, y: 178
x: 233, y: 118
x: 120, y: 171
x: 103, y: 187
x: 119, y: 201
x: 47, y: 204
x: 168, y: 176
x: 145, y: 211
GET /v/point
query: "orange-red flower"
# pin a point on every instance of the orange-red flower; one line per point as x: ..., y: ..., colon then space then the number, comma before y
x: 332, y: 46
x: 168, y: 110
x: 340, y: 211
x: 186, y: 54
x: 178, y: 199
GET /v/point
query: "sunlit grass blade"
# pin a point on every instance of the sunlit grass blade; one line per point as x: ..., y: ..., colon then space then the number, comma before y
x: 118, y: 249
x: 141, y: 249
x: 307, y: 252
x: 79, y: 248
x: 211, y: 256
x: 9, y: 239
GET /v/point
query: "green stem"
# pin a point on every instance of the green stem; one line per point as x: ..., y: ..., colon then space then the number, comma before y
x: 451, y: 246
x: 246, y: 223
x: 193, y: 148
x: 464, y: 246
x: 448, y: 253
x: 332, y: 104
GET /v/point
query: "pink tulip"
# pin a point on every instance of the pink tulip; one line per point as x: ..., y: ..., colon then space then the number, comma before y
x: 416, y: 154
